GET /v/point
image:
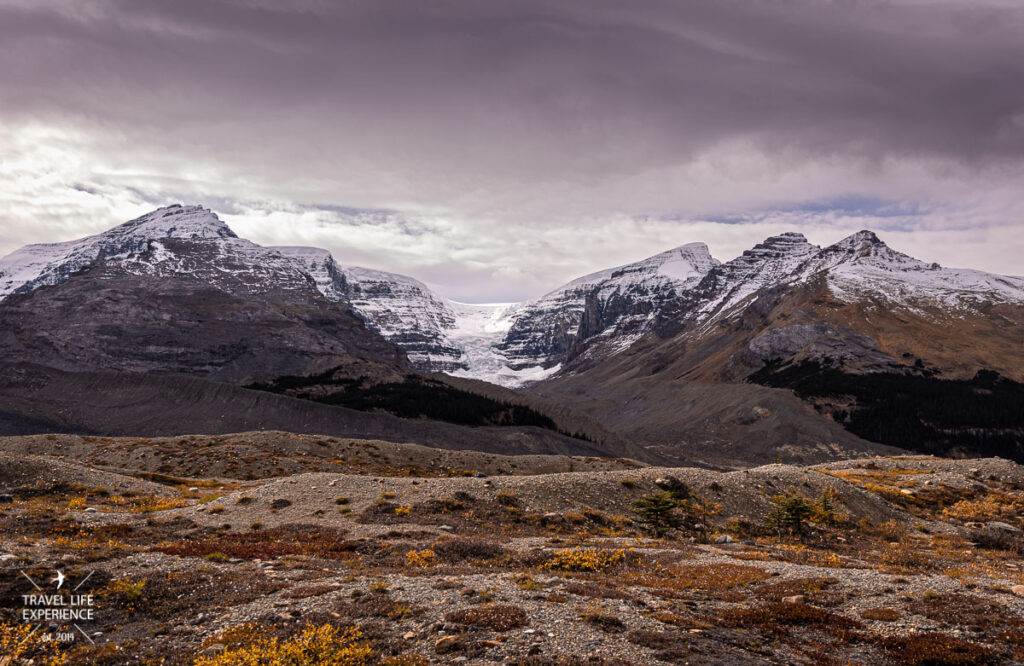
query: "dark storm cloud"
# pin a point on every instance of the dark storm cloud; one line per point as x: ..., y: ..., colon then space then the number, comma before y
x: 602, y: 86
x: 529, y: 110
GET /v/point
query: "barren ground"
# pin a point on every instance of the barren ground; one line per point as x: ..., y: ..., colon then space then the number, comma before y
x: 212, y: 548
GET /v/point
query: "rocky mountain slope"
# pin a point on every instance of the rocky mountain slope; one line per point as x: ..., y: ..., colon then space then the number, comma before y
x: 403, y: 310
x: 175, y: 291
x: 156, y: 327
x: 508, y: 343
x: 786, y: 314
x: 654, y: 351
x: 616, y: 305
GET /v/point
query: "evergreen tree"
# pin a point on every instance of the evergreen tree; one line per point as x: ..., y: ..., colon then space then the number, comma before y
x: 789, y: 512
x: 702, y: 510
x: 658, y: 512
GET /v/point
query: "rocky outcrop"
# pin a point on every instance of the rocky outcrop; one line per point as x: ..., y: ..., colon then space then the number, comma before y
x: 403, y: 310
x: 819, y: 342
x: 618, y: 305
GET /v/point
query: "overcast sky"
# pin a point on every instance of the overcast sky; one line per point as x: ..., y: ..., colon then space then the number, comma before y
x: 497, y: 149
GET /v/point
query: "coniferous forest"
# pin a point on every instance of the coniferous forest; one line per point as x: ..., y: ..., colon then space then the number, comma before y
x: 980, y: 416
x: 416, y: 397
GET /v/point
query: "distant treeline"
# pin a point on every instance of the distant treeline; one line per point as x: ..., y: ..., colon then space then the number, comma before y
x: 981, y: 416
x: 415, y: 398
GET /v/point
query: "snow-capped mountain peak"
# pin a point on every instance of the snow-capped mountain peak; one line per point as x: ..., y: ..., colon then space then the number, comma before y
x: 175, y: 221
x: 768, y: 262
x: 618, y: 302
x: 863, y: 265
x: 685, y: 262
x: 866, y: 248
x: 50, y: 263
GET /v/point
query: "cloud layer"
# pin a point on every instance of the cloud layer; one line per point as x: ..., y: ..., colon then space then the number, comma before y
x: 497, y: 149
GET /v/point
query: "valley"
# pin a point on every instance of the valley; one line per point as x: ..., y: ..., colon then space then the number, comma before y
x: 253, y: 455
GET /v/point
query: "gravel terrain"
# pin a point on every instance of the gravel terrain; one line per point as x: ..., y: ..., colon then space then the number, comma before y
x: 446, y: 560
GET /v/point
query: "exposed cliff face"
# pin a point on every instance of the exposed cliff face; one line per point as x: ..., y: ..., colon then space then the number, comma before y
x: 618, y: 305
x: 403, y: 310
x: 820, y: 343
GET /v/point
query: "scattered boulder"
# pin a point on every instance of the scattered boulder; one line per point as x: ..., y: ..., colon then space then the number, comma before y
x: 212, y: 650
x: 795, y: 599
x: 1018, y: 590
x: 725, y: 538
x: 447, y: 644
x: 996, y: 534
x: 673, y: 485
x: 1003, y: 528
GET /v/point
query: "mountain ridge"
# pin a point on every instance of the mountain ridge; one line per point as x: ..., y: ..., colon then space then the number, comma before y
x: 596, y: 315
x: 677, y: 354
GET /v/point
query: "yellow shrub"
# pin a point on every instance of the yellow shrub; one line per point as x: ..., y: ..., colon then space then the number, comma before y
x: 584, y: 559
x: 128, y: 593
x: 323, y: 645
x: 990, y: 507
x: 403, y: 510
x: 419, y: 558
x: 21, y: 643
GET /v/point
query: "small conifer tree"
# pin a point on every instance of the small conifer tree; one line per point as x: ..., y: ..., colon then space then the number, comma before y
x: 657, y: 512
x: 701, y: 510
x: 789, y: 512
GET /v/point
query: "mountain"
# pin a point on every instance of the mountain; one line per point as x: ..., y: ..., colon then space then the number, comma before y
x: 508, y: 344
x: 35, y: 266
x: 788, y: 351
x: 857, y: 303
x: 171, y: 324
x: 884, y: 346
x: 401, y: 309
x: 176, y: 291
x: 616, y: 306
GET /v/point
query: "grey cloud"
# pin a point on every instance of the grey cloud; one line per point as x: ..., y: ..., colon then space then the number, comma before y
x: 529, y: 113
x: 597, y: 86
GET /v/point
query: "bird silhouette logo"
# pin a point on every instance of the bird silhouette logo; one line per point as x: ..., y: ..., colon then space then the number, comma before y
x: 59, y: 579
